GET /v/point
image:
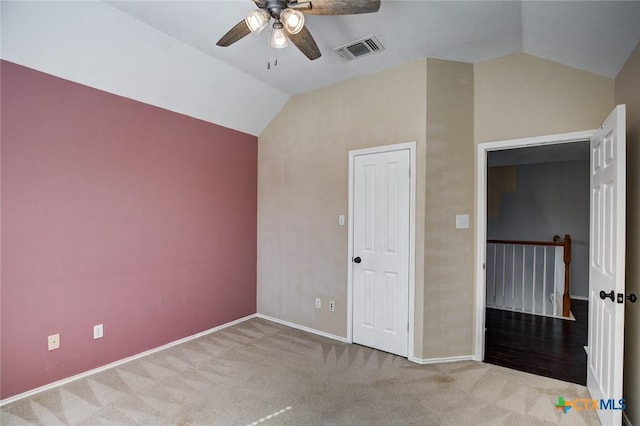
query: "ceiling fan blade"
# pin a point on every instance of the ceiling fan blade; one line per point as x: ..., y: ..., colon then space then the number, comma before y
x: 234, y: 34
x: 342, y: 7
x: 305, y: 42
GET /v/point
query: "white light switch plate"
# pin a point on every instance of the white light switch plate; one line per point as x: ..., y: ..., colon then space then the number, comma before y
x: 341, y: 220
x: 462, y: 221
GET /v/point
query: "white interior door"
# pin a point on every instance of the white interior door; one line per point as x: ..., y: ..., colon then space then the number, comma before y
x: 607, y: 263
x: 381, y: 210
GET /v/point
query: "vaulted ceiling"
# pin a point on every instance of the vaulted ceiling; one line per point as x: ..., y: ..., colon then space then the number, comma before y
x: 593, y: 36
x: 164, y: 52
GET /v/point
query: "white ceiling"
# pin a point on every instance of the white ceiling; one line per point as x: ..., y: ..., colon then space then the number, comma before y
x: 594, y: 36
x: 94, y: 44
x: 164, y: 53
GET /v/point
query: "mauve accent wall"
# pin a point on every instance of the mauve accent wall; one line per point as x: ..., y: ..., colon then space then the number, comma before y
x: 115, y: 212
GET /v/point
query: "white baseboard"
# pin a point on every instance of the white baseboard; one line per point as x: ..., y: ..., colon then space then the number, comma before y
x: 120, y: 362
x: 579, y: 297
x: 500, y: 308
x: 344, y: 340
x: 304, y: 328
x: 442, y: 360
x: 204, y: 333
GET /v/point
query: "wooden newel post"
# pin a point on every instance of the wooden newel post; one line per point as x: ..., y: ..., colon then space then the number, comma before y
x: 566, y: 298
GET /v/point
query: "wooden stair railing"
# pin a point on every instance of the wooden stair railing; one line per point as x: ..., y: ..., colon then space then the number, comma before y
x: 566, y: 298
x: 558, y: 242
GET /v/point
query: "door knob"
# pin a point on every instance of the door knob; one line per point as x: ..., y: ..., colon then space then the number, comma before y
x: 357, y: 259
x: 604, y: 295
x: 632, y: 298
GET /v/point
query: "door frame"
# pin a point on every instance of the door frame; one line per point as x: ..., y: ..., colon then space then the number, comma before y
x: 481, y: 215
x: 411, y: 146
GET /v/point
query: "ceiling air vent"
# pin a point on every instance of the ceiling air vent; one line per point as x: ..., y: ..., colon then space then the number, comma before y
x: 358, y: 48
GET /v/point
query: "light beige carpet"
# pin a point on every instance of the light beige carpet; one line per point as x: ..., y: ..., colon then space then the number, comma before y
x: 259, y: 372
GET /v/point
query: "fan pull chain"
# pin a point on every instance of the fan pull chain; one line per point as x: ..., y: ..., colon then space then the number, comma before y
x: 269, y: 62
x: 270, y: 52
x: 275, y: 63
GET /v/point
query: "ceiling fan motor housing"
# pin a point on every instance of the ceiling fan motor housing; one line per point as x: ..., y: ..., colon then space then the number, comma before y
x: 275, y: 7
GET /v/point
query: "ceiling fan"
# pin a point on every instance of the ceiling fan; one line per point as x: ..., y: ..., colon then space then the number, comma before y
x: 288, y: 21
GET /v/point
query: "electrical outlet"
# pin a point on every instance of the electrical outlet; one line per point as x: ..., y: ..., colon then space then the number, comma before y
x: 54, y: 341
x: 332, y: 306
x: 318, y: 303
x: 98, y: 331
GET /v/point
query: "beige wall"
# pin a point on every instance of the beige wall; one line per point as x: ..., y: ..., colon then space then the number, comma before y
x: 449, y: 254
x: 522, y: 95
x: 446, y: 107
x: 303, y: 187
x: 627, y: 91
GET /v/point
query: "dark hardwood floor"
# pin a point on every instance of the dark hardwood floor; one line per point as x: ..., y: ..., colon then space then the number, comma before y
x: 544, y: 346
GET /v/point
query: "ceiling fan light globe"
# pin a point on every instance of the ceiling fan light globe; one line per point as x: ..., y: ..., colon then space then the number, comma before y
x: 279, y: 39
x: 256, y: 20
x: 293, y: 20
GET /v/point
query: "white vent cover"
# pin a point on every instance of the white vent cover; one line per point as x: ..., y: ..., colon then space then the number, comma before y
x: 359, y: 48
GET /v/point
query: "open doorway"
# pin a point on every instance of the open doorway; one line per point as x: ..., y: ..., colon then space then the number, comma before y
x: 537, y: 218
x: 607, y: 209
x: 533, y: 343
